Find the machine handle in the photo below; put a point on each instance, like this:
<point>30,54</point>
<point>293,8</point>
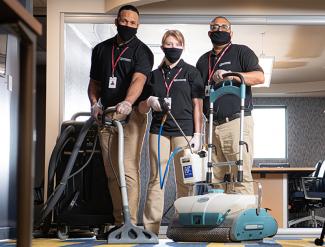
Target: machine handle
<point>80,114</point>
<point>209,177</point>
<point>107,121</point>
<point>259,198</point>
<point>109,109</point>
<point>242,80</point>
<point>164,105</point>
<point>240,176</point>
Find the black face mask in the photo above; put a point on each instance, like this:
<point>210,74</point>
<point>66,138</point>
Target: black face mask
<point>126,33</point>
<point>172,54</point>
<point>220,37</point>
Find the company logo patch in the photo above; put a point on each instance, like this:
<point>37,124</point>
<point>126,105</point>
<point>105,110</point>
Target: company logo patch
<point>125,59</point>
<point>225,63</point>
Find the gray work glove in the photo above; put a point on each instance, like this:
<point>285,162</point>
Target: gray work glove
<point>124,107</point>
<point>218,75</point>
<point>153,102</point>
<point>196,142</point>
<point>96,110</point>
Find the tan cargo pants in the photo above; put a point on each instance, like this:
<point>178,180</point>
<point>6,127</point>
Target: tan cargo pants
<point>154,205</point>
<point>226,138</point>
<point>134,132</point>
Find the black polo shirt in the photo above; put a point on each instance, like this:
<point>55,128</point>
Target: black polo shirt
<point>238,58</point>
<point>187,85</point>
<point>136,57</point>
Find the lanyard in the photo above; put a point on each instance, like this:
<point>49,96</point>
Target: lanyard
<point>172,81</point>
<point>211,71</point>
<point>114,63</point>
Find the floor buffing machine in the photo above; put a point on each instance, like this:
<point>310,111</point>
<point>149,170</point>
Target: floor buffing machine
<point>217,216</point>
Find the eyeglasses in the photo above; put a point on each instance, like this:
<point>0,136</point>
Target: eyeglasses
<point>217,27</point>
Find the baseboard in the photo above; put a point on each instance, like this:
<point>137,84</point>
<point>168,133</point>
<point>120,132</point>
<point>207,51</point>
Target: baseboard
<point>299,232</point>
<point>8,233</point>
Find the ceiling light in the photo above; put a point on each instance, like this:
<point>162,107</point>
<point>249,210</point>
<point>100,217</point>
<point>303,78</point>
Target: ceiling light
<point>266,62</point>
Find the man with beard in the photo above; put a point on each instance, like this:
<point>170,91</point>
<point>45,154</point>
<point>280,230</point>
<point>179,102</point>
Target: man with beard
<point>119,69</point>
<point>227,57</point>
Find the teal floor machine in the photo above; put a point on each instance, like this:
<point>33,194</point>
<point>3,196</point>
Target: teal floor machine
<point>216,216</point>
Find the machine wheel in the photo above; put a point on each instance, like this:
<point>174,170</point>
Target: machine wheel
<point>101,233</point>
<point>95,230</point>
<point>319,242</point>
<point>63,232</point>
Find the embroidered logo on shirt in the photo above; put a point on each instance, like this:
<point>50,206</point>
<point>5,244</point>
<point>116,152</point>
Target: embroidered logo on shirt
<point>125,59</point>
<point>184,79</point>
<point>225,63</point>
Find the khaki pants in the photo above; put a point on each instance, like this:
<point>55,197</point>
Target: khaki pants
<point>226,138</point>
<point>154,205</point>
<point>134,132</point>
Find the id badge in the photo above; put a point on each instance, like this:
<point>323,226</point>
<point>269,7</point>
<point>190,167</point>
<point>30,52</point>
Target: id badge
<point>168,101</point>
<point>207,90</point>
<point>112,82</point>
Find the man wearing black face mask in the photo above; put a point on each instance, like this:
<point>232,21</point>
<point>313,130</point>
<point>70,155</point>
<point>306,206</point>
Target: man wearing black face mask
<point>119,69</point>
<point>227,57</point>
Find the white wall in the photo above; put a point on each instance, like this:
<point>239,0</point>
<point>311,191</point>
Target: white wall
<point>55,11</point>
<point>55,8</point>
<point>236,7</point>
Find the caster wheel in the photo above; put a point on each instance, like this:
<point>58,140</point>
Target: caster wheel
<point>319,242</point>
<point>95,231</point>
<point>63,232</point>
<point>102,233</point>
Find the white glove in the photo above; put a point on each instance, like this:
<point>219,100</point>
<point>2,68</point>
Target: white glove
<point>218,75</point>
<point>153,102</point>
<point>124,107</point>
<point>196,142</point>
<point>96,110</point>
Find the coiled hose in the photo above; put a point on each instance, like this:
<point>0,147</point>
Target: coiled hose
<point>53,199</point>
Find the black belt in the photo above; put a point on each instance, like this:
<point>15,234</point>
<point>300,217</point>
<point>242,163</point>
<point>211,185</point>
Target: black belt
<point>230,118</point>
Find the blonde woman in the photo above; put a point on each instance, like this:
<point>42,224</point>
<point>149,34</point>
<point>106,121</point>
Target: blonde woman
<point>181,84</point>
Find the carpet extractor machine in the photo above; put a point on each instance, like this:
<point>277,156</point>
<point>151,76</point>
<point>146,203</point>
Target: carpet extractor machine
<point>69,206</point>
<point>216,216</point>
<point>76,182</point>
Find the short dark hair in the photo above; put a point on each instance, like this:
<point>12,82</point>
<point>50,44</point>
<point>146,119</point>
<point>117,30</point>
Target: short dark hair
<point>128,7</point>
<point>221,17</point>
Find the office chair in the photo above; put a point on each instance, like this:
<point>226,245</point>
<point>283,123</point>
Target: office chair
<point>308,195</point>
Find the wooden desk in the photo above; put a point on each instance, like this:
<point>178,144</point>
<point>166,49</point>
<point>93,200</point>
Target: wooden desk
<point>274,183</point>
<point>283,169</point>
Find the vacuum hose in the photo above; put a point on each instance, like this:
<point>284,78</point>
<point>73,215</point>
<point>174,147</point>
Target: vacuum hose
<point>171,157</point>
<point>64,137</point>
<point>53,199</point>
<point>165,108</point>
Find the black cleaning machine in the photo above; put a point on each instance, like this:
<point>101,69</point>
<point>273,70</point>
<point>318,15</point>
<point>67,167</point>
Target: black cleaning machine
<point>78,197</point>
